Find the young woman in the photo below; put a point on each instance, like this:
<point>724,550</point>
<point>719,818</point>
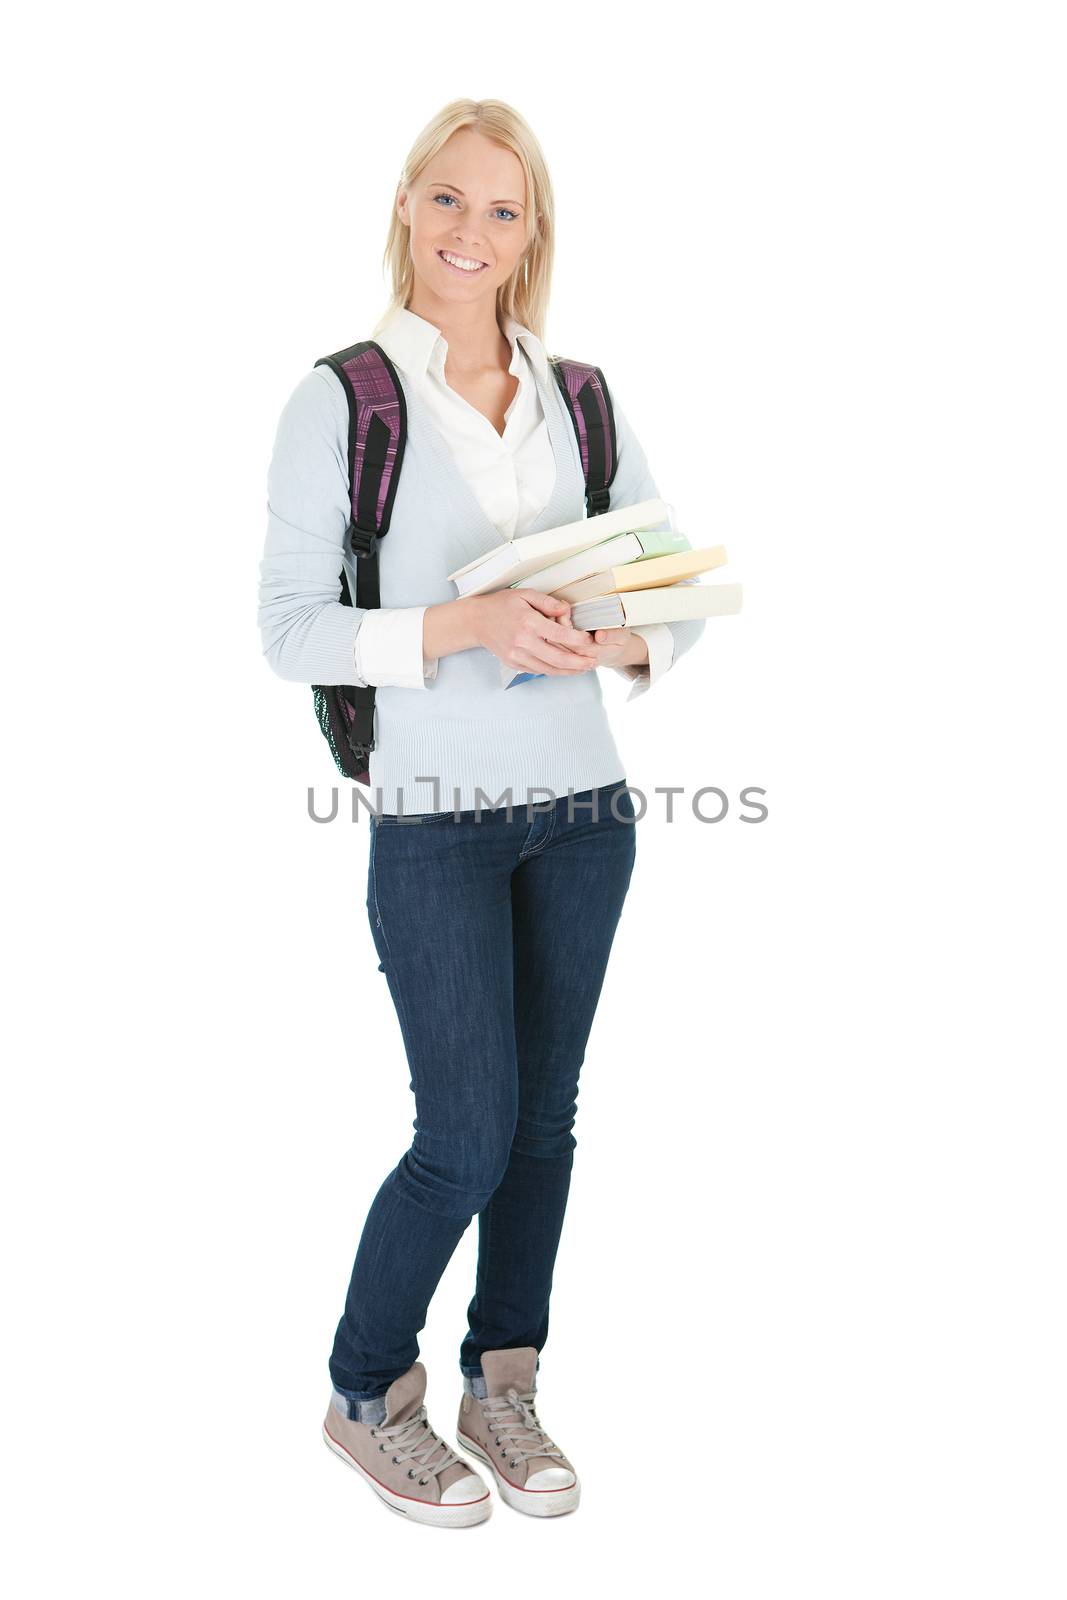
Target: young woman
<point>493,930</point>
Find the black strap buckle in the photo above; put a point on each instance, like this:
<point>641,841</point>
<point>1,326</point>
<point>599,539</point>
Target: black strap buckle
<point>359,720</point>
<point>365,541</point>
<point>597,500</point>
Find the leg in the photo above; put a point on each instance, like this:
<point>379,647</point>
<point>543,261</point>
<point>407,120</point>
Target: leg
<point>440,911</point>
<point>567,898</point>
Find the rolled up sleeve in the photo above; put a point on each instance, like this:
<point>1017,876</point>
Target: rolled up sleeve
<point>388,649</point>
<point>660,641</point>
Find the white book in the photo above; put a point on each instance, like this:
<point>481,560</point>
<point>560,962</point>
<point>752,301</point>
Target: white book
<point>673,603</point>
<point>518,558</point>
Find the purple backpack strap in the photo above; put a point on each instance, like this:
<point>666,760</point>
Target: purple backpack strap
<point>586,392</point>
<point>377,430</point>
<point>377,434</point>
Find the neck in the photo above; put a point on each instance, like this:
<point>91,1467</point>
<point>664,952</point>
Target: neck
<point>475,340</point>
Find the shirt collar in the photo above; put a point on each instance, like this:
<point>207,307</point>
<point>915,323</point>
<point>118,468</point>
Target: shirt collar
<point>417,346</point>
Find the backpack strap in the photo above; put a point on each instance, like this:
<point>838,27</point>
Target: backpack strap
<point>585,390</point>
<point>377,435</point>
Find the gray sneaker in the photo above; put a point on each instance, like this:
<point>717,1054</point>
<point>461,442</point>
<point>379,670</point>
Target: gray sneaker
<point>503,1430</point>
<point>406,1464</point>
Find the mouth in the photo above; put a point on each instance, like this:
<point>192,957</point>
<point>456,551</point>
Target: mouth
<point>468,269</point>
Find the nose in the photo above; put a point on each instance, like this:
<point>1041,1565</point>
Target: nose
<point>472,240</point>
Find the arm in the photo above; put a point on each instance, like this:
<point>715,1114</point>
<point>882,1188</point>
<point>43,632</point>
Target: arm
<point>307,635</point>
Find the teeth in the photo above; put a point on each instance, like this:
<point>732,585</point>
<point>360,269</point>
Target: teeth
<point>462,261</point>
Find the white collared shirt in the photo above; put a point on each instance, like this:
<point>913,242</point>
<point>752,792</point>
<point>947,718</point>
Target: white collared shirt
<point>511,474</point>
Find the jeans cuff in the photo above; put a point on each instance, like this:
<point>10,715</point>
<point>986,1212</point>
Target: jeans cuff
<point>351,1406</point>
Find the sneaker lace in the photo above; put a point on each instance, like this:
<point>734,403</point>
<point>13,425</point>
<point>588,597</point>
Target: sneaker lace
<point>515,1418</point>
<point>415,1440</point>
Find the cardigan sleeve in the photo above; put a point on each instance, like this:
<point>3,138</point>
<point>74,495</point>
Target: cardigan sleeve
<point>307,635</point>
<point>633,482</point>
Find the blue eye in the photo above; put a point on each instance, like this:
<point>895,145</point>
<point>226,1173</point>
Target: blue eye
<point>512,215</point>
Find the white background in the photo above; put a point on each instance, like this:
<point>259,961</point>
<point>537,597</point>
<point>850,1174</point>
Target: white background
<point>808,1320</point>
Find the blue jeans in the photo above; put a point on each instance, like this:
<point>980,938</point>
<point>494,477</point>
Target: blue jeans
<point>494,937</point>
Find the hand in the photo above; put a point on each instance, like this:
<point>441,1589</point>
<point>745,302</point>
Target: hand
<point>532,632</point>
<point>619,647</point>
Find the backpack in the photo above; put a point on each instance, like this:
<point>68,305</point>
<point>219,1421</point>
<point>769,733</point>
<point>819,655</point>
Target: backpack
<point>377,435</point>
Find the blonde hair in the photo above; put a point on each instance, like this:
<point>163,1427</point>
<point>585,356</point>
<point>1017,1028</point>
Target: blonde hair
<point>525,294</point>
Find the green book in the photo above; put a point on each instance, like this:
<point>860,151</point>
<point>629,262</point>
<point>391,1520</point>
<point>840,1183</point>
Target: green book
<point>638,545</point>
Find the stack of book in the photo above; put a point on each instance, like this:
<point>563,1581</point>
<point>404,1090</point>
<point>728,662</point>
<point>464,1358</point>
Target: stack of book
<point>616,571</point>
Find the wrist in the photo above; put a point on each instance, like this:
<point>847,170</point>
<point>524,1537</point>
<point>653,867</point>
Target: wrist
<point>637,654</point>
<point>450,626</point>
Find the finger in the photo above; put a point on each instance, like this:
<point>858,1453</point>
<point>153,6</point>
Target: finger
<point>547,604</point>
<point>570,637</point>
<point>561,659</point>
<point>526,661</point>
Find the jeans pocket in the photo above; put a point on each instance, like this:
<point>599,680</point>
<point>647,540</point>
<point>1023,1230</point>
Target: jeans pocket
<point>616,803</point>
<point>373,912</point>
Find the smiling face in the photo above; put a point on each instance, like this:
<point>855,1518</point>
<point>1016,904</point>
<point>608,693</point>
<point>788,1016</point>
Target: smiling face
<point>469,203</point>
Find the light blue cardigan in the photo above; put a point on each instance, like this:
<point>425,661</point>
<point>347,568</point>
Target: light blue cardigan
<point>480,741</point>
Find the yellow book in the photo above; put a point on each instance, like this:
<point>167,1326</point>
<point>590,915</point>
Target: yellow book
<point>651,573</point>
